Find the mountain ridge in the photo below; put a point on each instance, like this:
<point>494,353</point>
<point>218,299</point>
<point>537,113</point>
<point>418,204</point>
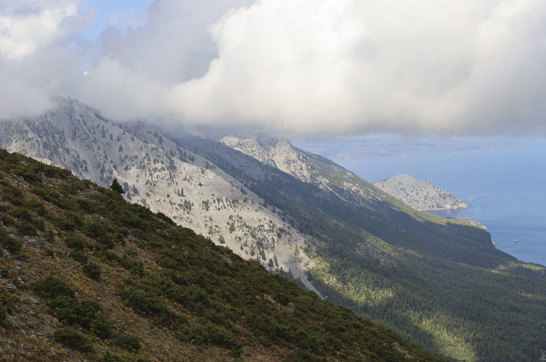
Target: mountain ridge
<point>164,176</point>
<point>86,275</point>
<point>438,282</point>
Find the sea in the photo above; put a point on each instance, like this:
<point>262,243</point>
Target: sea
<point>503,182</point>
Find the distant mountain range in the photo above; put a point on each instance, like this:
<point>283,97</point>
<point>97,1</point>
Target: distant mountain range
<point>438,282</point>
<point>420,195</point>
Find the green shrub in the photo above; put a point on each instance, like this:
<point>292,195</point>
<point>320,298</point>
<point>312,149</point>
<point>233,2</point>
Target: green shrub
<point>95,228</point>
<point>142,300</point>
<point>101,327</point>
<point>5,303</point>
<point>29,175</point>
<point>73,338</point>
<point>79,255</point>
<point>22,213</point>
<point>72,311</point>
<point>99,231</point>
<point>12,194</point>
<point>106,240</point>
<point>3,312</point>
<point>208,333</point>
<point>36,205</point>
<point>39,223</point>
<point>87,205</point>
<point>52,287</point>
<point>77,242</point>
<point>109,256</point>
<point>116,187</point>
<point>127,342</point>
<point>92,270</point>
<point>65,224</point>
<point>26,228</point>
<point>135,266</point>
<point>67,308</point>
<point>165,218</point>
<point>76,219</point>
<point>9,243</point>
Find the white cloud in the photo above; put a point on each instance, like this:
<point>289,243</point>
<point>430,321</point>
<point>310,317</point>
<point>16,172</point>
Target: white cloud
<point>137,68</point>
<point>23,32</point>
<point>344,66</point>
<point>306,67</point>
<point>35,63</point>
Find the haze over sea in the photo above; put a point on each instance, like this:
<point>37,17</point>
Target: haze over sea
<point>503,182</point>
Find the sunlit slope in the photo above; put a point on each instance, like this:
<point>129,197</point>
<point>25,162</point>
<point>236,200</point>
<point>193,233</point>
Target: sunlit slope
<point>439,282</point>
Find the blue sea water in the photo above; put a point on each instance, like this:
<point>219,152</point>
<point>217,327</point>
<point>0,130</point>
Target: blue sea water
<point>504,183</point>
<point>505,191</point>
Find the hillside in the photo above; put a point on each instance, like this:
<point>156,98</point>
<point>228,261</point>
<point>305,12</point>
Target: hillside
<point>87,275</point>
<point>419,195</point>
<point>439,283</point>
<point>163,176</point>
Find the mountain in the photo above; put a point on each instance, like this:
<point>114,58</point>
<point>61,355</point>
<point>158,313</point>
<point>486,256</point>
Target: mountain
<point>164,176</point>
<point>420,195</point>
<point>306,167</point>
<point>438,282</point>
<point>87,276</point>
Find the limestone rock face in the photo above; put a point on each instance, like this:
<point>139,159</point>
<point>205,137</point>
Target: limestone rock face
<point>276,152</point>
<point>307,167</point>
<point>420,195</point>
<point>163,175</point>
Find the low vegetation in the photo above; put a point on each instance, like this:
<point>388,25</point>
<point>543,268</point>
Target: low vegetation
<point>106,280</point>
<point>438,282</point>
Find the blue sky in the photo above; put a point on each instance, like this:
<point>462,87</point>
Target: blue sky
<point>106,9</point>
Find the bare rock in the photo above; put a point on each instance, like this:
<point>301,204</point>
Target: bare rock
<point>419,195</point>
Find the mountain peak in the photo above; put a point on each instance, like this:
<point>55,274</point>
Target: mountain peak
<point>274,151</point>
<point>262,141</point>
<point>418,194</point>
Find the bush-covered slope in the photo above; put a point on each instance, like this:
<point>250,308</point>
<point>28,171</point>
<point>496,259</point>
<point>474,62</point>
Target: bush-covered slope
<point>438,282</point>
<point>86,275</point>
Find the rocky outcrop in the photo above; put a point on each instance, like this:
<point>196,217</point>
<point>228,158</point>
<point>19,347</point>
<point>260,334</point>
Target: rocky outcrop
<point>420,195</point>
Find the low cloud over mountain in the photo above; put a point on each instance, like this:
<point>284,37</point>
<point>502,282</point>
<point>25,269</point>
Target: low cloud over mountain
<point>302,67</point>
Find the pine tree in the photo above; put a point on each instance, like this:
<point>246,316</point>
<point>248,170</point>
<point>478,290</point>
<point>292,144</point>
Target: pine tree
<point>116,187</point>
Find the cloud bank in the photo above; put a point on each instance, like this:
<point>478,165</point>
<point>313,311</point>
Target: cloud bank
<point>304,67</point>
<point>34,60</point>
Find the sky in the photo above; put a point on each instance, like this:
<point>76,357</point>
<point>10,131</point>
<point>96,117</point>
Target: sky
<point>115,13</point>
<point>307,68</point>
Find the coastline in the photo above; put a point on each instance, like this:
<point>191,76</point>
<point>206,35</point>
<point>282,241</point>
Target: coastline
<point>523,250</point>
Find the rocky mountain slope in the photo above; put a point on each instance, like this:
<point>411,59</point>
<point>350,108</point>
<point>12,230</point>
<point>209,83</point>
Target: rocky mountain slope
<point>420,195</point>
<point>87,276</point>
<point>164,176</point>
<point>406,246</point>
<point>306,167</point>
<point>438,282</point>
